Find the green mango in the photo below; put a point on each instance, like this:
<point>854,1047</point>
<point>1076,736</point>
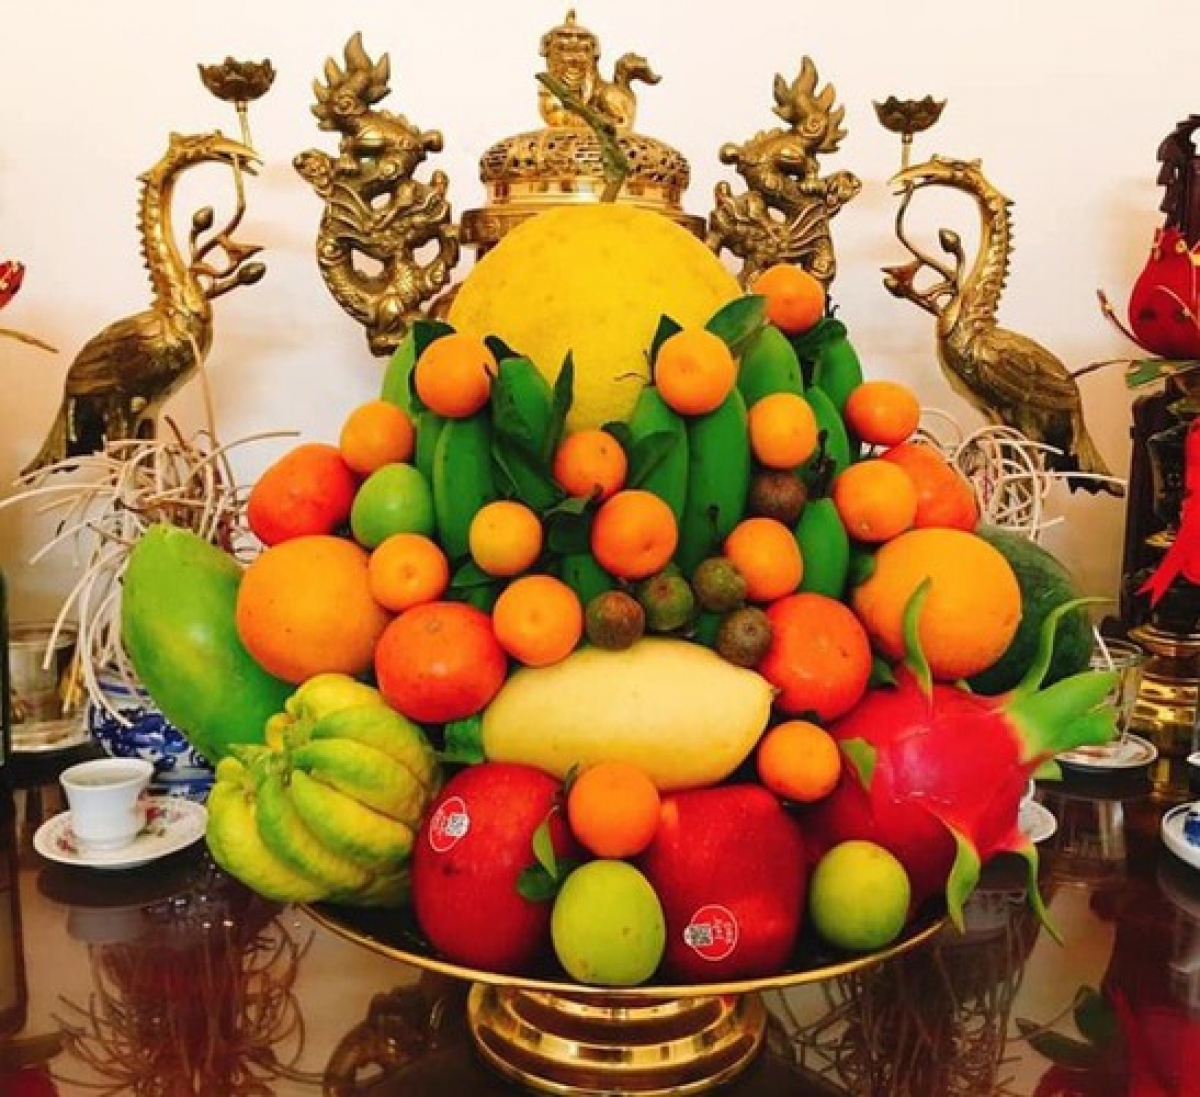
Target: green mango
<point>177,626</point>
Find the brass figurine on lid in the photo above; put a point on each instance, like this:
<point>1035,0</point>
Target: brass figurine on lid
<point>564,161</point>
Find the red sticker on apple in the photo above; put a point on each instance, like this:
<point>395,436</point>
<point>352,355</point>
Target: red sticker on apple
<point>449,824</point>
<point>712,934</point>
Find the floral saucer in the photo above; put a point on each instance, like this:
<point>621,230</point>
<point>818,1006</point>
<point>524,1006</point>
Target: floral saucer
<point>1129,752</point>
<point>1174,836</point>
<point>172,823</point>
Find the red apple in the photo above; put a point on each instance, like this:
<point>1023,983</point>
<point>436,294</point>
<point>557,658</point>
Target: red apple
<point>473,844</point>
<point>729,869</point>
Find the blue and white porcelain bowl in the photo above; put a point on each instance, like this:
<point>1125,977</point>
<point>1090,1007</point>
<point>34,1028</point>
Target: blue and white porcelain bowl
<point>142,731</point>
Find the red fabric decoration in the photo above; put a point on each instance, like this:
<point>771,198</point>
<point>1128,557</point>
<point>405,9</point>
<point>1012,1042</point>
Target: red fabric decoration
<point>1183,557</point>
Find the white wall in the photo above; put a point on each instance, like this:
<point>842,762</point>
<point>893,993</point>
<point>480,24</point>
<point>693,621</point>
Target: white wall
<point>1064,102</point>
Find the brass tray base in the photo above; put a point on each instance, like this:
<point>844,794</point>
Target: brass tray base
<point>550,1035</point>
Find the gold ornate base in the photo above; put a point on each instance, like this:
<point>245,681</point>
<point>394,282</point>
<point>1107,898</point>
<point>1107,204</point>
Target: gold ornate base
<point>1170,691</point>
<point>613,1045</point>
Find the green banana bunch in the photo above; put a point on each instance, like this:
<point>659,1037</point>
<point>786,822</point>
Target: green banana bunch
<point>429,427</point>
<point>583,574</point>
<point>769,364</point>
<point>463,479</point>
<point>837,370</point>
<point>330,812</point>
<point>835,452</point>
<point>396,377</point>
<point>522,407</point>
<point>719,466</point>
<point>824,548</point>
<point>658,450</point>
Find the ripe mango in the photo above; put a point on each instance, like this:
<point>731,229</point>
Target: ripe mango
<point>688,717</point>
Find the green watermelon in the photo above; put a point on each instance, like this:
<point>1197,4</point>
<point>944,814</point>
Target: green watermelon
<point>1045,584</point>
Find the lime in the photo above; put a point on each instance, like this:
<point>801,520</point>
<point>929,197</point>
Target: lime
<point>858,896</point>
<point>393,499</point>
<point>607,925</point>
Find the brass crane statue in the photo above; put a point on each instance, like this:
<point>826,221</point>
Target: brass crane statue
<point>1006,376</point>
<point>121,377</point>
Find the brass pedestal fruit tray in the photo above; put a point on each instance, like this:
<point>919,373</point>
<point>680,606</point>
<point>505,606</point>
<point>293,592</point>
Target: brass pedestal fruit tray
<point>551,1035</point>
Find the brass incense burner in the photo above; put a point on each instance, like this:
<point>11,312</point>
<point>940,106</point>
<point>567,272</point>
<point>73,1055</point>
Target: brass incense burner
<point>387,243</point>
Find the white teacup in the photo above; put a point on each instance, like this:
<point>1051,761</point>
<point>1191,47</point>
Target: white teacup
<point>105,797</point>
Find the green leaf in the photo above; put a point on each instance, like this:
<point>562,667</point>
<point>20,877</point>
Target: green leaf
<point>568,529</point>
<point>648,452</point>
<point>463,741</point>
<point>737,321</point>
<point>543,847</point>
<point>1096,1019</point>
<point>1064,1051</point>
<point>499,348</point>
<point>536,885</point>
<point>470,574</point>
<point>564,391</point>
<point>882,673</point>
<point>666,328</point>
<point>426,331</point>
<point>808,345</point>
<point>621,432</point>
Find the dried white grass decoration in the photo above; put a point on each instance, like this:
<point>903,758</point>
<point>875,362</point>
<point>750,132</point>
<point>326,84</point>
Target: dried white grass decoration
<point>109,500</point>
<point>1007,469</point>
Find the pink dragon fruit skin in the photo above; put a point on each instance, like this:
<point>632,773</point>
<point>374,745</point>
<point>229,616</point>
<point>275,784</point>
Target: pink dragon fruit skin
<point>936,773</point>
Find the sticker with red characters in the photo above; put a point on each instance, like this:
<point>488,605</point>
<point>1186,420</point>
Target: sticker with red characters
<point>449,824</point>
<point>712,933</point>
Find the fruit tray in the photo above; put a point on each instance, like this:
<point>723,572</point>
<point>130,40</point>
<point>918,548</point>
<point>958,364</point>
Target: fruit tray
<point>394,934</point>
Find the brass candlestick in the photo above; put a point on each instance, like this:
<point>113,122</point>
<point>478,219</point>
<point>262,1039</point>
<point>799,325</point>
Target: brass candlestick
<point>908,117</point>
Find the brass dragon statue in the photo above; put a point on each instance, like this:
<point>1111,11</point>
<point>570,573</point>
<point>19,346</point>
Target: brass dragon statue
<point>121,377</point>
<point>1006,376</point>
<point>377,217</point>
<point>784,215</point>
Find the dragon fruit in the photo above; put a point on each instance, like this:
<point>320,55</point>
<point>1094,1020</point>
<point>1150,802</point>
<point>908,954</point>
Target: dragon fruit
<point>936,773</point>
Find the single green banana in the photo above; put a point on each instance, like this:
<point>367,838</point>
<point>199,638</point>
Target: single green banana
<point>429,430</point>
<point>718,480</point>
<point>285,834</point>
<point>835,451</point>
<point>660,466</point>
<point>837,370</point>
<point>348,826</point>
<point>463,480</point>
<point>382,727</point>
<point>522,407</point>
<point>396,377</point>
<point>235,844</point>
<point>365,773</point>
<point>824,548</point>
<point>584,575</point>
<point>769,365</point>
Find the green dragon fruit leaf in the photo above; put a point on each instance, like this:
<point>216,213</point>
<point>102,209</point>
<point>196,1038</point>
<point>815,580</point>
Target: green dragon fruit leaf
<point>914,657</point>
<point>862,756</point>
<point>1028,852</point>
<point>963,877</point>
<point>1036,672</point>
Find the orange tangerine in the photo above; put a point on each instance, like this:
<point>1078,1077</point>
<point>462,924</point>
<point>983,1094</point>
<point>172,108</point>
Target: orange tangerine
<point>882,413</point>
<point>694,371</point>
<point>634,534</point>
<point>799,760</point>
<point>375,434</point>
<point>876,500</point>
<point>407,569</point>
<point>767,556</point>
<point>783,430</point>
<point>538,620</point>
<point>613,809</point>
<point>590,463</point>
<point>795,298</point>
<point>505,537</point>
<point>453,376</point>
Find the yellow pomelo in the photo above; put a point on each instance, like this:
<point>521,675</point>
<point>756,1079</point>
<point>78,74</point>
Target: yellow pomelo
<point>593,280</point>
